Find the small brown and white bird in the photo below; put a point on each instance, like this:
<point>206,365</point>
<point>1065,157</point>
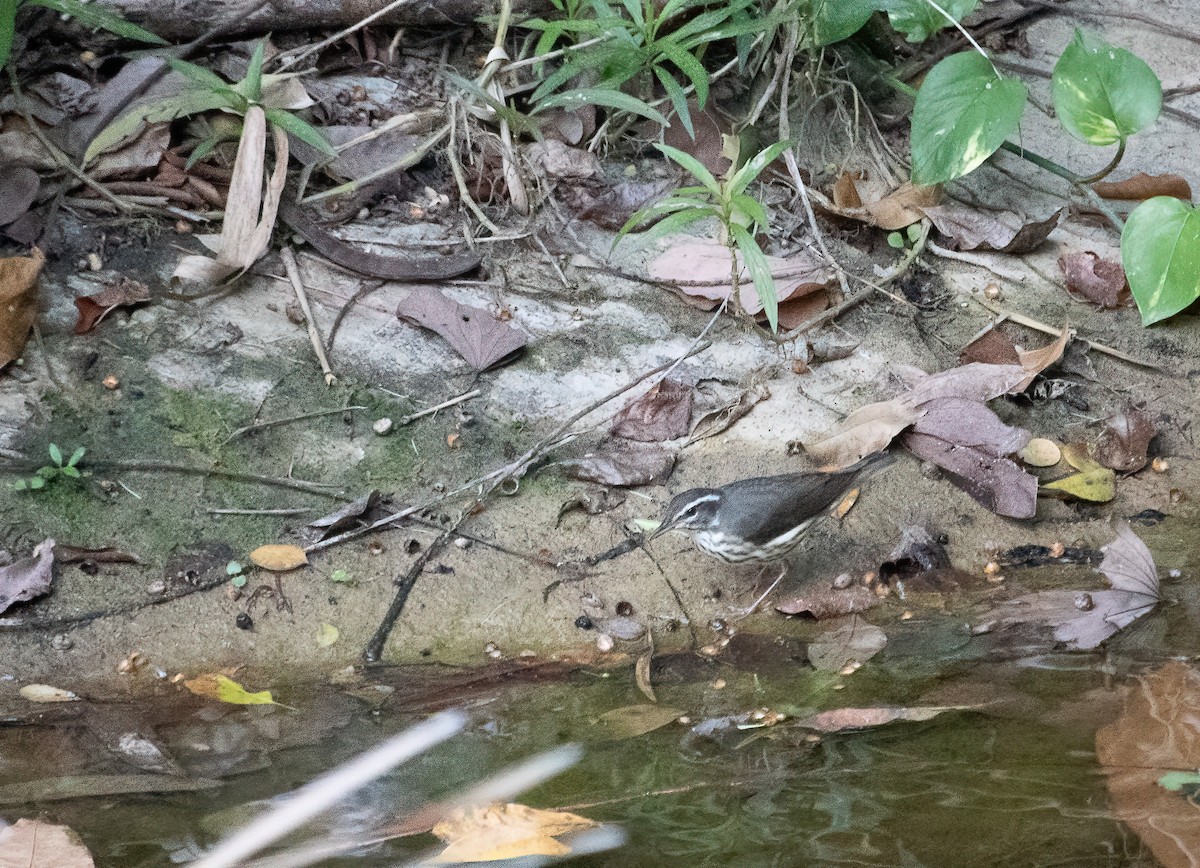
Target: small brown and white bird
<point>760,519</point>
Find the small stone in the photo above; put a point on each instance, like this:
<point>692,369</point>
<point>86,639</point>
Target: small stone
<point>1160,465</point>
<point>110,382</point>
<point>906,615</point>
<point>982,628</point>
<point>243,621</point>
<point>383,426</point>
<point>624,609</point>
<point>62,642</point>
<point>992,292</point>
<point>717,624</point>
<point>850,668</point>
<point>132,663</point>
<point>363,213</point>
<point>94,262</point>
<point>157,588</point>
<point>583,622</point>
<point>1174,574</point>
<point>462,542</point>
<point>843,581</point>
<point>376,547</point>
<point>1057,550</point>
<point>717,684</point>
<point>991,568</point>
<point>1084,602</point>
<point>711,650</point>
<point>604,642</point>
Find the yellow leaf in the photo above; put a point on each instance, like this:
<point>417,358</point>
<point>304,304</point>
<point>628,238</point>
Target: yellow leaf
<point>279,558</point>
<point>506,832</point>
<point>1080,458</point>
<point>226,690</point>
<point>327,635</point>
<point>1093,482</point>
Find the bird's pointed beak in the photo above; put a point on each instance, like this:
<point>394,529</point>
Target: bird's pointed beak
<point>660,530</point>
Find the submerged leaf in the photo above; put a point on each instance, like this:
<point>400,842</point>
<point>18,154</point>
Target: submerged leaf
<point>225,689</point>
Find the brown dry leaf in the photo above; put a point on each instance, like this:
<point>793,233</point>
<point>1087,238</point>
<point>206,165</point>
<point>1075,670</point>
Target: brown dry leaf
<point>721,419</point>
<point>279,558</point>
<point>1142,186</point>
<point>865,431</point>
<point>506,832</point>
<point>19,187</point>
<point>976,381</point>
<point>993,347</point>
<point>968,228</point>
<point>641,675</point>
<point>354,514</point>
<point>29,577</point>
<point>1036,361</point>
<point>1157,732</point>
<point>709,144</point>
<point>250,215</point>
<point>624,463</point>
<point>996,483</point>
<point>845,190</point>
<point>841,719</point>
<point>829,602</point>
<point>106,555</point>
<point>853,641</point>
<point>633,720</point>
<point>1100,281</point>
<point>967,423</point>
<point>868,199</point>
<point>1123,442</point>
<point>704,265</point>
<point>36,844</point>
<point>611,207</point>
<point>663,413</point>
<point>18,302</point>
<point>481,339</point>
<point>93,308</point>
<point>846,503</point>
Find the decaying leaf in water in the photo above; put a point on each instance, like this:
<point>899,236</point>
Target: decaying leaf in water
<point>18,301</point>
<point>47,693</point>
<point>506,831</point>
<point>634,720</point>
<point>225,689</point>
<point>37,844</point>
<point>93,308</point>
<point>663,413</point>
<point>1040,452</point>
<point>1100,281</point>
<point>971,228</point>
<point>279,558</point>
<point>641,675</point>
<point>1093,482</point>
<point>481,339</point>
<point>841,719</point>
<point>852,641</point>
<point>1141,186</point>
<point>28,577</point>
<point>1084,619</point>
<point>1156,733</point>
<point>1123,442</point>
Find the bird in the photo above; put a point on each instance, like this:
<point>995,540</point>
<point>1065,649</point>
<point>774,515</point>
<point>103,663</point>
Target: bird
<point>759,519</point>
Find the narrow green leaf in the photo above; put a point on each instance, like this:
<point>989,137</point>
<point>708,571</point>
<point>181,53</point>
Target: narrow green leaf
<point>605,97</point>
<point>692,69</point>
<point>253,79</point>
<point>197,74</point>
<point>677,221</point>
<point>76,456</point>
<point>56,454</point>
<point>752,209</point>
<point>754,166</point>
<point>8,28</point>
<point>91,15</point>
<point>704,22</point>
<point>919,20</point>
<point>964,111</point>
<point>1160,249</point>
<point>68,470</point>
<point>634,8</point>
<point>302,130</point>
<point>694,166</point>
<point>187,102</point>
<point>202,150</point>
<point>678,99</point>
<point>760,273</point>
<point>1102,93</point>
<point>674,220</point>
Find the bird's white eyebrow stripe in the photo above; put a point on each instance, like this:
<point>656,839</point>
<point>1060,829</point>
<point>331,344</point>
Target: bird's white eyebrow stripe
<point>699,500</point>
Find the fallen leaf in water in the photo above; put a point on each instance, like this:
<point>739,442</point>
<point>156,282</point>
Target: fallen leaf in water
<point>225,689</point>
<point>997,483</point>
<point>1128,564</point>
<point>1142,186</point>
<point>829,602</point>
<point>481,339</point>
<point>1098,280</point>
<point>1157,733</point>
<point>968,228</point>
<point>1093,482</point>
<point>37,844</point>
<point>279,558</point>
<point>634,720</point>
<point>28,577</point>
<point>94,308</point>
<point>624,463</point>
<point>663,413</point>
<point>509,831</point>
<point>641,675</point>
<point>88,786</point>
<point>47,693</point>
<point>1123,442</point>
<point>18,301</point>
<point>841,719</point>
<point>853,641</point>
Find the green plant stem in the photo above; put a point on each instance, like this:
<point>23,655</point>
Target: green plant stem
<point>1107,170</point>
<point>1081,184</point>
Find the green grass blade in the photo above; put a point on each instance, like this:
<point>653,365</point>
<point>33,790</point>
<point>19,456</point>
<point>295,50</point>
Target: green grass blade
<point>694,166</point>
<point>760,273</point>
<point>91,15</point>
<point>302,130</point>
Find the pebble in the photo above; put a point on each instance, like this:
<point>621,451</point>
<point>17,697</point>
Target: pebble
<point>62,642</point>
<point>383,426</point>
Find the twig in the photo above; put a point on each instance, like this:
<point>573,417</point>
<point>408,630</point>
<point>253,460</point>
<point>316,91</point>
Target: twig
<point>412,417</point>
<point>258,426</point>
<point>410,159</point>
<point>977,260</point>
<point>320,488</point>
<point>300,510</point>
<point>293,271</point>
<point>342,34</point>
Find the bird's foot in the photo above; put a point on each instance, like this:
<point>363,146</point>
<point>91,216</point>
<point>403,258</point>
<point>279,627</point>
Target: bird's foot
<point>742,613</point>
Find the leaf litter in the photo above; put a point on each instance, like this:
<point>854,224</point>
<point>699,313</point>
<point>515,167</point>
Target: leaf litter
<point>29,577</point>
<point>481,339</point>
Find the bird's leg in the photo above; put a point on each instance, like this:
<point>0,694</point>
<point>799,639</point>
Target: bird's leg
<point>754,607</point>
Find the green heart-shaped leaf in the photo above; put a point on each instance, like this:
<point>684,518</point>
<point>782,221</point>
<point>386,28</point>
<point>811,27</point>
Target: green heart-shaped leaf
<point>1102,93</point>
<point>1160,249</point>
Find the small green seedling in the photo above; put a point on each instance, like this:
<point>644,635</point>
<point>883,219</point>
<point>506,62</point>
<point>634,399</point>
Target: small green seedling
<point>49,472</point>
<point>897,240</point>
<point>236,577</point>
<point>341,577</point>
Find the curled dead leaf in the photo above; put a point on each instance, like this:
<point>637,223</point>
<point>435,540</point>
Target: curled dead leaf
<point>1100,281</point>
<point>1142,186</point>
<point>279,558</point>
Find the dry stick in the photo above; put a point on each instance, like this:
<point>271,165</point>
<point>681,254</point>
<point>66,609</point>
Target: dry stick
<point>978,261</point>
<point>293,272</point>
<point>299,510</point>
<point>513,467</point>
<point>258,426</point>
<point>412,417</point>
<point>320,488</point>
<point>342,34</point>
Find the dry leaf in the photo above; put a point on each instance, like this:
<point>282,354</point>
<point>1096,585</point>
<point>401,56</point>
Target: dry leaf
<point>852,641</point>
<point>481,339</point>
<point>613,206</point>
<point>93,308</point>
<point>37,844</point>
<point>968,228</point>
<point>352,515</point>
<point>327,635</point>
<point>829,602</point>
<point>966,423</point>
<point>845,191</point>
<point>869,200</point>
<point>18,302</point>
<point>1094,482</point>
<point>28,577</point>
<point>1142,186</point>
<point>47,693</point>
<point>841,719</point>
<point>846,503</point>
<point>624,463</point>
<point>663,413</point>
<point>1036,361</point>
<point>975,381</point>
<point>506,832</point>
<point>993,347</point>
<point>19,187</point>
<point>1098,280</point>
<point>641,675</point>
<point>867,430</point>
<point>998,484</point>
<point>279,558</point>
<point>721,419</point>
<point>709,143</point>
<point>225,689</point>
<point>1122,444</point>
